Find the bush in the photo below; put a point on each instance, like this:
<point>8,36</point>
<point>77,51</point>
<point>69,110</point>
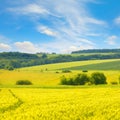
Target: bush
<point>84,71</point>
<point>56,72</point>
<point>114,82</point>
<point>66,71</point>
<point>98,78</point>
<point>23,82</point>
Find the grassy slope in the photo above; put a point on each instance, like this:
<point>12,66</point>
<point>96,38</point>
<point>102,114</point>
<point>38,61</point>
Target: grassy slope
<point>114,65</point>
<point>39,76</point>
<point>57,66</point>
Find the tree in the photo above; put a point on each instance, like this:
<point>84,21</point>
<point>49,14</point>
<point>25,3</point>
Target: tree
<point>81,79</point>
<point>70,81</point>
<point>44,55</point>
<point>98,78</point>
<point>9,67</point>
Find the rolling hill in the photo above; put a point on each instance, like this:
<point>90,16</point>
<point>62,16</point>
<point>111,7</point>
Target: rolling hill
<point>50,74</point>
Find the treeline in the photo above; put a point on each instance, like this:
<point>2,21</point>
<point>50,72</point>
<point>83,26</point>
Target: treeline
<point>11,60</point>
<point>97,51</point>
<point>17,55</point>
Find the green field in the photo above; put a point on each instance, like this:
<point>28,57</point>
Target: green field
<point>114,65</point>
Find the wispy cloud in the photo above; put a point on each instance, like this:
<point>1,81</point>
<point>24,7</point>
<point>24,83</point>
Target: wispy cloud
<point>69,23</point>
<point>28,9</point>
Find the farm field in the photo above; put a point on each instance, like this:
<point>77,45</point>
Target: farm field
<point>114,65</point>
<point>47,100</point>
<point>60,104</point>
<point>49,75</point>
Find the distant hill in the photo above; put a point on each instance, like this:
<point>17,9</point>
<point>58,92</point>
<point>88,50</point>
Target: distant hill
<point>97,51</point>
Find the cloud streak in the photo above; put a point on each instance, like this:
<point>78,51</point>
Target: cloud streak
<point>29,9</point>
<point>68,22</point>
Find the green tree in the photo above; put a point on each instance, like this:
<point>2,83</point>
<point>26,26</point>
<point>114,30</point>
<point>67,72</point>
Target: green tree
<point>98,78</point>
<point>81,79</point>
<point>9,67</point>
<point>44,55</point>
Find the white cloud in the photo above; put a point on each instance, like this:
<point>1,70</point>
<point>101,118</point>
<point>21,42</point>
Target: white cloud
<point>29,9</point>
<point>117,21</point>
<point>46,30</point>
<point>4,47</point>
<point>27,47</point>
<point>111,40</point>
<point>76,48</point>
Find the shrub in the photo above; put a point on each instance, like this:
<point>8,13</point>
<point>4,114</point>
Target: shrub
<point>66,71</point>
<point>56,72</point>
<point>84,71</point>
<point>23,82</point>
<point>114,82</point>
<point>98,78</point>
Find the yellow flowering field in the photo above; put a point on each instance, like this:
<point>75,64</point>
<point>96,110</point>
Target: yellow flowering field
<point>60,104</point>
<point>49,78</point>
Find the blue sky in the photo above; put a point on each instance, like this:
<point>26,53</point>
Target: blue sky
<point>59,26</point>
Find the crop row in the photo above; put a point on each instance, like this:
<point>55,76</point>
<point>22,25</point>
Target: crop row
<point>8,101</point>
